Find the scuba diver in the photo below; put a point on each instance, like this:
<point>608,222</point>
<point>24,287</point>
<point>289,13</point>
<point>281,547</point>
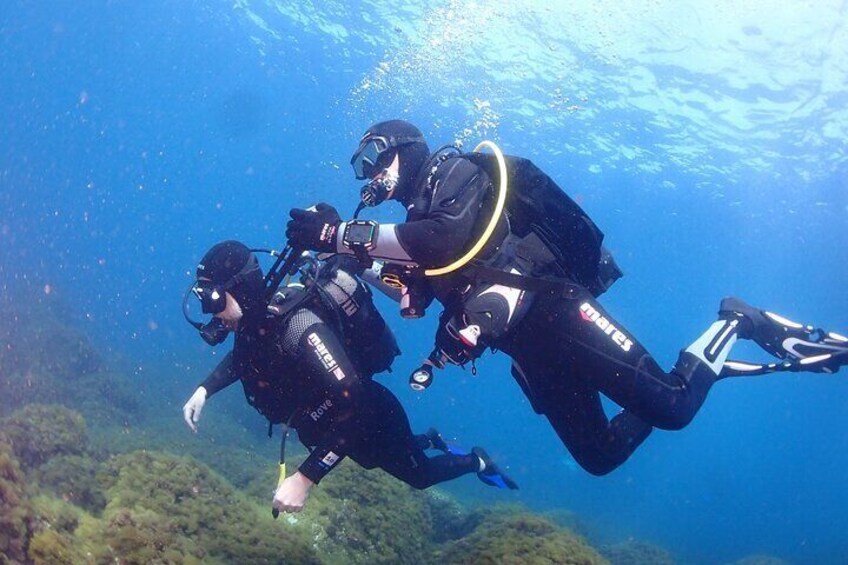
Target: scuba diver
<point>305,355</point>
<point>518,267</point>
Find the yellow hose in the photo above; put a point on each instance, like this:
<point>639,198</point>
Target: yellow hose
<point>499,206</point>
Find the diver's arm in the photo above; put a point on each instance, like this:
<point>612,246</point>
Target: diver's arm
<point>324,366</point>
<point>221,376</point>
<point>445,230</point>
<point>386,245</point>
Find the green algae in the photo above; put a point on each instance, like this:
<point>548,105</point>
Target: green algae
<point>75,479</point>
<point>38,432</point>
<point>636,552</point>
<point>180,505</point>
<point>16,514</point>
<point>519,538</point>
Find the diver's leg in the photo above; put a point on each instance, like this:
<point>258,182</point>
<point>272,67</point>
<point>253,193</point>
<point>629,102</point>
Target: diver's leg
<point>598,444</point>
<point>422,441</point>
<point>399,451</point>
<point>577,331</point>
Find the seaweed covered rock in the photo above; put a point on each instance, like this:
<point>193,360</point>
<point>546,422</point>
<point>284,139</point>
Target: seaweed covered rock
<point>75,479</point>
<point>360,516</point>
<point>40,350</point>
<point>45,359</point>
<point>635,552</point>
<point>16,515</point>
<point>232,454</point>
<point>162,506</point>
<point>520,539</point>
<point>139,537</point>
<point>38,432</point>
<point>450,519</point>
<point>49,547</point>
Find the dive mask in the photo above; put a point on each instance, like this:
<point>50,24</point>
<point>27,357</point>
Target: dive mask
<point>373,152</point>
<point>214,331</point>
<point>364,160</point>
<point>213,296</point>
<point>213,300</point>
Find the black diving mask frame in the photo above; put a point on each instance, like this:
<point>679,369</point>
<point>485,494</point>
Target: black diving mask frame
<point>213,297</point>
<point>369,158</point>
<point>214,331</point>
<point>213,300</point>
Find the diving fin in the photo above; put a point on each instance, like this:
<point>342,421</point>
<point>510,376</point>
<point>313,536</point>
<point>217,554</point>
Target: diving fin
<point>491,474</point>
<point>780,336</point>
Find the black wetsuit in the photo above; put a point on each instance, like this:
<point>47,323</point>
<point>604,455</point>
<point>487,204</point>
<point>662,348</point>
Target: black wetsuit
<point>295,369</point>
<point>567,349</point>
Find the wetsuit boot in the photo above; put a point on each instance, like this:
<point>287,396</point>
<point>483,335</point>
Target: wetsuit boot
<point>435,440</point>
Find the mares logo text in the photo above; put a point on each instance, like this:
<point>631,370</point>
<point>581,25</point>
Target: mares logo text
<point>325,356</point>
<point>588,313</point>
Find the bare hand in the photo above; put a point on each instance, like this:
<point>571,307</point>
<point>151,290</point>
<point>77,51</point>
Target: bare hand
<point>292,494</point>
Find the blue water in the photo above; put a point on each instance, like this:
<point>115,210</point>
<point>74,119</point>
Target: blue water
<point>709,142</point>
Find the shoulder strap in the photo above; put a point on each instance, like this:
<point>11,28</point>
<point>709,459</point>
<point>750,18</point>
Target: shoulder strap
<point>536,284</point>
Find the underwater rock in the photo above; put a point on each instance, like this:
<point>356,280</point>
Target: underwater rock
<point>52,513</point>
<point>139,537</point>
<point>49,547</point>
<point>44,359</point>
<point>167,508</point>
<point>451,520</point>
<point>16,515</point>
<point>39,432</point>
<point>74,478</point>
<point>360,516</point>
<point>635,552</point>
<point>519,538</point>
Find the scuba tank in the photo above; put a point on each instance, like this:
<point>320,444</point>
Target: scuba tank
<point>536,204</point>
<point>367,338</point>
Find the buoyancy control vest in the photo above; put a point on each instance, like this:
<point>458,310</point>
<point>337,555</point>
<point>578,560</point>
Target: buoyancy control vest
<point>342,297</point>
<point>343,302</point>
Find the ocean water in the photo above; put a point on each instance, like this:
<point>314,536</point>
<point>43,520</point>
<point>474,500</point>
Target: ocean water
<point>708,141</point>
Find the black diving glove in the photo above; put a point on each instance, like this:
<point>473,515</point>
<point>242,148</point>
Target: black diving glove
<point>315,229</point>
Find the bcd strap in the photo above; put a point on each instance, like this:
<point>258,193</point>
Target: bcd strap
<point>534,284</point>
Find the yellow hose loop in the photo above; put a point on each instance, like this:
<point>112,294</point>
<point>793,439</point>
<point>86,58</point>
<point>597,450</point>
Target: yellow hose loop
<point>499,206</point>
<point>282,476</point>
